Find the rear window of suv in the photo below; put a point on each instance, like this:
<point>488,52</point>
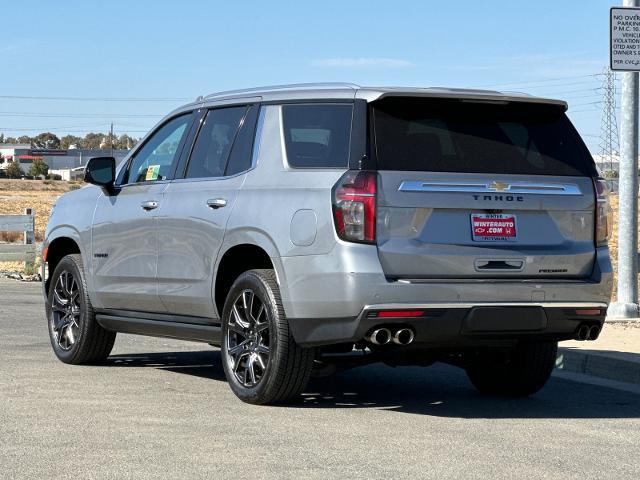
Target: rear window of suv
<point>453,135</point>
<point>317,135</point>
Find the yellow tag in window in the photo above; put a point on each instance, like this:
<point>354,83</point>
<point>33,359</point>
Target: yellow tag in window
<point>152,172</point>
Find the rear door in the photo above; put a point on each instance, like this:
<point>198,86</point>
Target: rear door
<point>477,189</point>
<point>196,208</point>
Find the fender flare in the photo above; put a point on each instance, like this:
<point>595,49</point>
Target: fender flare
<point>68,231</point>
<point>260,239</point>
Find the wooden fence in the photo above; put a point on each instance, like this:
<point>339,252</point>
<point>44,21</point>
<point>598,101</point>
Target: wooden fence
<point>19,252</point>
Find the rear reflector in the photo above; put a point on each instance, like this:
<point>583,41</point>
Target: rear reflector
<point>400,313</point>
<point>588,311</point>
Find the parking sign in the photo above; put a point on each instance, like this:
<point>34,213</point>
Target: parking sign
<point>624,34</point>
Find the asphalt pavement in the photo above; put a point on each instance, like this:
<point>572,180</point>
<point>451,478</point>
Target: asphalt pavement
<point>161,409</point>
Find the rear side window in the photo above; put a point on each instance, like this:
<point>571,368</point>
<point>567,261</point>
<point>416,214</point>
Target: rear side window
<point>214,142</point>
<point>317,136</point>
<point>443,135</point>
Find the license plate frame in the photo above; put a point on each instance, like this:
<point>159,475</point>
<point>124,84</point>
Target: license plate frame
<point>494,227</point>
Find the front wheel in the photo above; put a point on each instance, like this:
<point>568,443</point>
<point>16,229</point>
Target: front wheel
<point>261,360</point>
<point>76,336</point>
<point>522,372</point>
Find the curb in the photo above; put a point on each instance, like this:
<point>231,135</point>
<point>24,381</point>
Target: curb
<point>599,365</point>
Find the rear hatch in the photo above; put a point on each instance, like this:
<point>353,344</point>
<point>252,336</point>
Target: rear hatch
<point>481,189</point>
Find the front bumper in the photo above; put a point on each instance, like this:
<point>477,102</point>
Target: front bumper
<point>458,324</point>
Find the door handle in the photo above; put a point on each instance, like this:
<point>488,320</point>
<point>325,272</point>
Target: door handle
<point>216,203</point>
<point>149,204</point>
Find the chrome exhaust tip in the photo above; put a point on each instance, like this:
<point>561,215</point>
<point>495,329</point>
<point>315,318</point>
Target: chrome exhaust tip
<point>594,332</point>
<point>583,332</point>
<point>403,336</point>
<point>380,336</point>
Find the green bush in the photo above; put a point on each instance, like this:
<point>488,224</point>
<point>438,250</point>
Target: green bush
<point>54,176</point>
<point>14,170</point>
<point>38,167</point>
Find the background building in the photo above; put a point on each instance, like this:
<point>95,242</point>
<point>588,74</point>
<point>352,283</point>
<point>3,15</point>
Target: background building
<point>57,160</point>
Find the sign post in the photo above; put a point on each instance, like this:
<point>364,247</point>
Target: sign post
<point>625,57</point>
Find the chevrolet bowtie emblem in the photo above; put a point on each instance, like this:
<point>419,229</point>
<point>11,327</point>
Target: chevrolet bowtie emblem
<point>499,186</point>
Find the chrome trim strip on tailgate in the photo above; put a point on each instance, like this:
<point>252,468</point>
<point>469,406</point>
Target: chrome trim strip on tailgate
<point>532,188</point>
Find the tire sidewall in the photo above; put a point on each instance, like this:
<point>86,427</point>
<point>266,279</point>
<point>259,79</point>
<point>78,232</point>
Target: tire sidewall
<point>251,281</point>
<point>68,264</point>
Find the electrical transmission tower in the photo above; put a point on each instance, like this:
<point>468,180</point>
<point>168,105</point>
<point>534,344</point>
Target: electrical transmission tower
<point>609,143</point>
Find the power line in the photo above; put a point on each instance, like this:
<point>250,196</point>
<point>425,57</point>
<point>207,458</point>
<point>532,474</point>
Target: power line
<point>69,128</point>
<point>588,110</point>
<point>528,82</point>
<point>99,99</point>
<point>598,102</point>
<point>76,115</point>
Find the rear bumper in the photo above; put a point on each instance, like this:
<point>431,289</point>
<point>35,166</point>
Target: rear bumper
<point>458,324</point>
<point>326,297</point>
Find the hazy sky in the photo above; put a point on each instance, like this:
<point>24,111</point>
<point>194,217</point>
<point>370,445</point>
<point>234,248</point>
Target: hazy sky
<point>175,51</point>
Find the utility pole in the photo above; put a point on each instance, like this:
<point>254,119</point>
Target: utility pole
<point>626,307</point>
<point>111,138</point>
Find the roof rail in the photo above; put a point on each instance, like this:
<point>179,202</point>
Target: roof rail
<point>515,92</point>
<point>293,86</point>
<point>469,90</point>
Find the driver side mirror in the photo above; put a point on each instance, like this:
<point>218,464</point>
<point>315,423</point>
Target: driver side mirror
<point>101,171</point>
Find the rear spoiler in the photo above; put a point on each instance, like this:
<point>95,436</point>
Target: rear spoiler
<point>461,94</point>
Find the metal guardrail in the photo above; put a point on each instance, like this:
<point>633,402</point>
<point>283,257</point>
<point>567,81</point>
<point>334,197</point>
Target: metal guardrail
<point>613,184</point>
<point>19,252</point>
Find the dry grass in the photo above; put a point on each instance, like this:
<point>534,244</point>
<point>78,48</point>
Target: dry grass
<point>613,244</point>
<point>16,195</point>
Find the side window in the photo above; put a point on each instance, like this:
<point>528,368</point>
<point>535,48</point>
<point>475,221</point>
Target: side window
<point>212,147</point>
<point>154,160</point>
<point>317,136</point>
<point>240,158</point>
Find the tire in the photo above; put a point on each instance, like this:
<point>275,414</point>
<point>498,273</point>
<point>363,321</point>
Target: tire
<point>522,373</point>
<point>75,335</point>
<point>261,360</point>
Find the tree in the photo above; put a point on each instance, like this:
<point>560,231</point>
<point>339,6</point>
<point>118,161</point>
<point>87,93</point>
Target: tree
<point>68,140</point>
<point>10,140</point>
<point>38,167</point>
<point>13,170</point>
<point>92,140</point>
<point>125,142</point>
<point>24,139</point>
<point>46,140</point>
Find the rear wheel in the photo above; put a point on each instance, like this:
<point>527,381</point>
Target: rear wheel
<point>75,335</point>
<point>261,360</point>
<point>522,372</point>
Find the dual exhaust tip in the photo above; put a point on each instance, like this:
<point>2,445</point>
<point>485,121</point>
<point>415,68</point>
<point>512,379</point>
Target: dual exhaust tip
<point>383,336</point>
<point>588,332</point>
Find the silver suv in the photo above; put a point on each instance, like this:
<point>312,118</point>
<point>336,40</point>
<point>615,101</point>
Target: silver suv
<point>310,228</point>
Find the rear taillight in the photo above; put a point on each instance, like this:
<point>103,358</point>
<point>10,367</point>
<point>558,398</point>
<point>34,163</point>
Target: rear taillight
<point>354,206</point>
<point>603,213</point>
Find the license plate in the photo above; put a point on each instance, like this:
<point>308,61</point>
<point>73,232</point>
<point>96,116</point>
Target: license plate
<point>493,227</point>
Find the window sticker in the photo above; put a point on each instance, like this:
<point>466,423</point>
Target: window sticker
<point>152,172</point>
